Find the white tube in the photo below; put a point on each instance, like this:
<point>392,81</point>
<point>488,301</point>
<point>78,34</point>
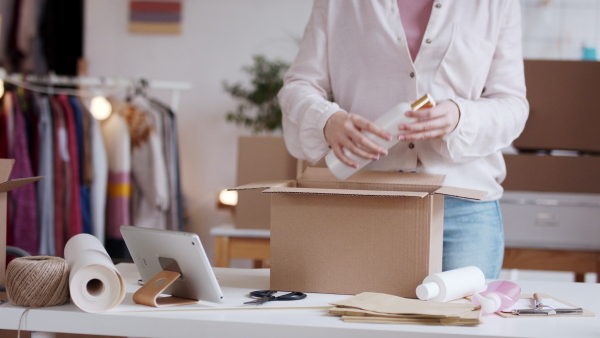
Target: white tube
<point>451,284</point>
<point>388,121</point>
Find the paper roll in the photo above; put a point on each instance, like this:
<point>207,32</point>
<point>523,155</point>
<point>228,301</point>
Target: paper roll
<point>95,284</point>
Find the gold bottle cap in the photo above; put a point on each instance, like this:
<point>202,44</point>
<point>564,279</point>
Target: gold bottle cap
<point>425,102</point>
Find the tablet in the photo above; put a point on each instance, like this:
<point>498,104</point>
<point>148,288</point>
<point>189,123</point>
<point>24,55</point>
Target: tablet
<point>155,250</point>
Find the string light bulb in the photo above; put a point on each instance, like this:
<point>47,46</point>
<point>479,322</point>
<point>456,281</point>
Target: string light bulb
<point>100,108</point>
<point>228,197</point>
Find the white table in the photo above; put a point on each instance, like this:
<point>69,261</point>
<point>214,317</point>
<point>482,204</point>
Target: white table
<point>262,322</point>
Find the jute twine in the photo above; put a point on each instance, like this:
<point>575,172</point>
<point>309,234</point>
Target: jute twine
<point>37,281</point>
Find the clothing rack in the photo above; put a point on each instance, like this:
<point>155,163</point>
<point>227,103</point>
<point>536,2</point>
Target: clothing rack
<point>26,81</point>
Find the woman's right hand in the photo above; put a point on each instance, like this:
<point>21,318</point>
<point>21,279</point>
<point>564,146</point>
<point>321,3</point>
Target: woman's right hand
<point>344,130</point>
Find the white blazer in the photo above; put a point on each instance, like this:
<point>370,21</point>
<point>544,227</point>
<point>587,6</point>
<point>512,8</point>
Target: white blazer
<point>471,53</point>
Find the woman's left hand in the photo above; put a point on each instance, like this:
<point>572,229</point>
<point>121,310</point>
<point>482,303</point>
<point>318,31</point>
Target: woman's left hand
<point>435,122</point>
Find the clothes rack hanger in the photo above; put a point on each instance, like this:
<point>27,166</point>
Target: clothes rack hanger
<point>46,83</point>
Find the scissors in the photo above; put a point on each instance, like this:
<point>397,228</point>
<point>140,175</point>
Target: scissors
<point>263,296</point>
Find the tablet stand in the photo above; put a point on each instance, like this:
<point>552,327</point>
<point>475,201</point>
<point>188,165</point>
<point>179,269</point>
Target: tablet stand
<point>149,293</point>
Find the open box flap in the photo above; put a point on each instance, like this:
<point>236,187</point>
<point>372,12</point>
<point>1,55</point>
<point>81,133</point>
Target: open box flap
<point>6,165</point>
<point>265,185</point>
<point>372,180</point>
<point>320,191</point>
<point>471,194</point>
<point>16,183</point>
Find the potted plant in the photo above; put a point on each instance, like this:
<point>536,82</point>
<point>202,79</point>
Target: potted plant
<point>258,108</point>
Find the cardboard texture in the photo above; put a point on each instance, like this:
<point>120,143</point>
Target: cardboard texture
<point>260,158</point>
<point>377,231</point>
<point>7,185</point>
<point>573,174</point>
<point>561,104</point>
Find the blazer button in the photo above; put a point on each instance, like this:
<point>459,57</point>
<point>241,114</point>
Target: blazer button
<point>428,40</point>
<point>412,74</point>
<point>411,145</point>
<point>438,5</point>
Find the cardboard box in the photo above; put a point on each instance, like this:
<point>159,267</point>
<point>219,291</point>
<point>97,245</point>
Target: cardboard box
<point>376,231</point>
<point>562,106</point>
<point>571,174</point>
<point>7,185</point>
<point>260,158</point>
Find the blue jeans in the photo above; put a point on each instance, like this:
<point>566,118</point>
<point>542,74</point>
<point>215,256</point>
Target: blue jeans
<point>473,235</point>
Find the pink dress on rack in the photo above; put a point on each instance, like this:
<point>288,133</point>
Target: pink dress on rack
<point>23,199</point>
<point>75,225</point>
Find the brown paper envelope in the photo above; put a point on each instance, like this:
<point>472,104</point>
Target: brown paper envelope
<point>389,304</point>
<point>386,320</point>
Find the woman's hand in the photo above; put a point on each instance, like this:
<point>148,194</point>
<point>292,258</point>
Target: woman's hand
<point>344,130</point>
<point>435,122</point>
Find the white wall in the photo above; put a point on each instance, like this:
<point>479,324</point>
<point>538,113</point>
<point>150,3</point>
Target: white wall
<point>558,29</point>
<point>218,38</point>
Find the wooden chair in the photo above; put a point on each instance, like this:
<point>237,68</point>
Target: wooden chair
<point>231,243</point>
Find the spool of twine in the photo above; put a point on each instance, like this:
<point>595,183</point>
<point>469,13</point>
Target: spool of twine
<point>37,281</point>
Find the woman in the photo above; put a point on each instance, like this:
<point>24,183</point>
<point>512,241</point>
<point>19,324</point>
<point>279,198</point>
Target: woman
<point>372,55</point>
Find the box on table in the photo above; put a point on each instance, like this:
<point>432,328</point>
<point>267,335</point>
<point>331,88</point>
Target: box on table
<point>7,185</point>
<point>376,231</point>
<point>260,158</point>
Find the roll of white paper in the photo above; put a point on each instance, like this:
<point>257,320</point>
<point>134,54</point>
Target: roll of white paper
<point>95,284</point>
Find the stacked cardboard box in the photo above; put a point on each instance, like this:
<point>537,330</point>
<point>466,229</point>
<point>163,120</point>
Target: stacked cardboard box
<point>551,199</point>
<point>260,158</point>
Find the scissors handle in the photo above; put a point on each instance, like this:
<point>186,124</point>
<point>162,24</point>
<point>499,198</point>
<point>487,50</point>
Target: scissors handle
<point>292,296</point>
<point>268,295</point>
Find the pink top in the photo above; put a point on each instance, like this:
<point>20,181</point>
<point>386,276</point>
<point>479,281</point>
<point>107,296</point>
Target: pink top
<point>414,15</point>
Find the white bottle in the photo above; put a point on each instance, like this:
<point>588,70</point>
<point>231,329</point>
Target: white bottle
<point>388,121</point>
<point>452,284</point>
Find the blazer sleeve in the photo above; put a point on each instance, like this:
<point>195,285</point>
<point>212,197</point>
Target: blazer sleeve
<point>498,117</point>
<point>303,98</point>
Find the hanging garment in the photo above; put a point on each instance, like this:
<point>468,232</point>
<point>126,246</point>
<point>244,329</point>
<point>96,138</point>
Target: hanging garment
<point>170,145</point>
<point>7,147</point>
<point>84,188</point>
<point>149,173</point>
<point>4,142</point>
<point>10,125</point>
<point>23,199</point>
<point>62,176</point>
<point>45,187</point>
<point>30,113</point>
<point>75,225</point>
<point>88,168</point>
<point>115,133</point>
<point>98,162</point>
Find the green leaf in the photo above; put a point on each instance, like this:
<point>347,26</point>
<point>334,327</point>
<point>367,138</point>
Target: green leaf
<point>258,109</point>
